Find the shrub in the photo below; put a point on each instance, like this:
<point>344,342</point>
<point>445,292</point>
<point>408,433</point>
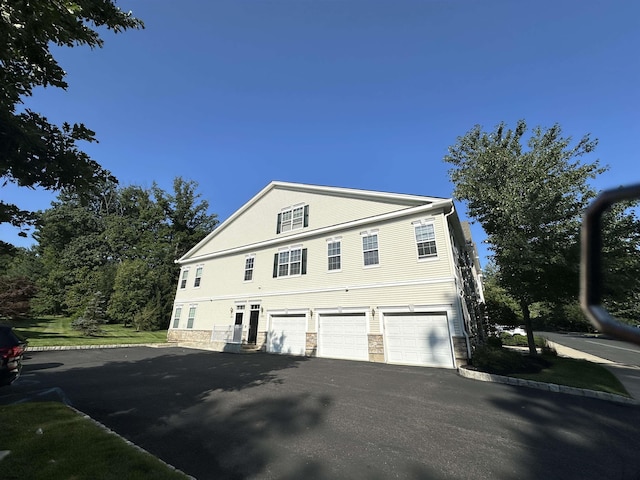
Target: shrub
<point>502,361</point>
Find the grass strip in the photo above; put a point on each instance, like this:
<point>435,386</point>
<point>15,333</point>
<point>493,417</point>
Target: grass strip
<point>56,331</point>
<point>577,373</point>
<point>49,440</point>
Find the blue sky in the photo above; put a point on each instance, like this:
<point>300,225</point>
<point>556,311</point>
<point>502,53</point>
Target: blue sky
<point>361,94</point>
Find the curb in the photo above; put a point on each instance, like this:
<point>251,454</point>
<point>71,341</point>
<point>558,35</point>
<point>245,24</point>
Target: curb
<point>549,387</point>
<point>128,442</point>
<point>95,347</point>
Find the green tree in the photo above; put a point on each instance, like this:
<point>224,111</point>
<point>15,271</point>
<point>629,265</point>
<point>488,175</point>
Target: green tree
<point>34,152</point>
<point>94,315</point>
<point>621,261</point>
<point>529,200</point>
<point>501,308</point>
<point>133,283</point>
<point>187,216</point>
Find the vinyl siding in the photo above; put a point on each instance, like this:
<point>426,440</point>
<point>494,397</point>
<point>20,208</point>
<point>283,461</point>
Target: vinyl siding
<point>400,279</point>
<point>258,223</point>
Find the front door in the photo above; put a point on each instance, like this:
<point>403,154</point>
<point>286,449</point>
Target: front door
<point>253,324</point>
<point>237,328</point>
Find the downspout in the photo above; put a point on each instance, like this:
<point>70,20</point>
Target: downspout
<point>461,307</point>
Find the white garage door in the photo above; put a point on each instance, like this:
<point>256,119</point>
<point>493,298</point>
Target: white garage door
<point>418,339</point>
<point>287,334</point>
<point>343,336</point>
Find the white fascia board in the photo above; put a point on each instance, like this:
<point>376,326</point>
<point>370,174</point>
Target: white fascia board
<point>299,237</point>
<point>357,193</point>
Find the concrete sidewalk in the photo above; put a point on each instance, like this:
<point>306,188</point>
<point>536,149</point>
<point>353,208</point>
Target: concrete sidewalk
<point>628,375</point>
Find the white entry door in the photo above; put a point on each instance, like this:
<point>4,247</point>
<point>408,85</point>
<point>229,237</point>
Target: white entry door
<point>418,339</point>
<point>287,334</point>
<point>343,336</point>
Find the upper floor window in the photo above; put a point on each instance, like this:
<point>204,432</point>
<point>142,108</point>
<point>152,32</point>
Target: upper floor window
<point>334,254</point>
<point>248,268</point>
<point>426,240</point>
<point>293,218</point>
<point>183,279</point>
<point>176,317</point>
<point>197,280</point>
<point>370,249</point>
<point>290,262</point>
<point>192,316</point>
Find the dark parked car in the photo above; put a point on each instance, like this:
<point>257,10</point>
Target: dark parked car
<point>11,352</point>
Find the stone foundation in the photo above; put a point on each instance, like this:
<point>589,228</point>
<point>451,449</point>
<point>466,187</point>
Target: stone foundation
<point>376,348</point>
<point>195,336</point>
<point>460,350</point>
<point>311,347</point>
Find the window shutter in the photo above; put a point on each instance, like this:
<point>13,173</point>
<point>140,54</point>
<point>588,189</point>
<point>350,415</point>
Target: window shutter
<point>278,226</point>
<point>275,265</point>
<point>306,215</point>
<point>304,261</point>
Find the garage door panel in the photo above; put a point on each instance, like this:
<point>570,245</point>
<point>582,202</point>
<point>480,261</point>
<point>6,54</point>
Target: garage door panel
<point>343,336</point>
<point>418,339</point>
<point>287,335</point>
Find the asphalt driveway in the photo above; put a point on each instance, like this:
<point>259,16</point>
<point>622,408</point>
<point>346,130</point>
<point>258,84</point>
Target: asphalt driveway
<point>216,415</point>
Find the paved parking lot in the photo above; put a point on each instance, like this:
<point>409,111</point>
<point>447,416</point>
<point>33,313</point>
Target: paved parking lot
<point>216,415</point>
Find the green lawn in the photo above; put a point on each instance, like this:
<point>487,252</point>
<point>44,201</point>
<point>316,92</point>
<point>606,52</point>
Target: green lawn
<point>57,331</point>
<point>576,373</point>
<point>50,441</point>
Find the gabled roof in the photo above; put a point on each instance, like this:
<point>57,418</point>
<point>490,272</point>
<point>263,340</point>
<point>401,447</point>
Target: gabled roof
<point>392,198</point>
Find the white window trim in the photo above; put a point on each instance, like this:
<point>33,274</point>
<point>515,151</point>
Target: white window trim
<point>334,240</point>
<point>195,275</point>
<point>186,280</point>
<point>291,209</point>
<point>253,268</point>
<point>173,317</point>
<point>424,222</point>
<point>290,249</point>
<point>369,233</point>
<point>193,307</point>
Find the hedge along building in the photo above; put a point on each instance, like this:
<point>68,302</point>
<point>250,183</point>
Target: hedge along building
<point>334,272</point>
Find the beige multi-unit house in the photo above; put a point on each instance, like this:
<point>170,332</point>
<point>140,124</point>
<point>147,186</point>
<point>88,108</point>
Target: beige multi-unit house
<point>334,272</point>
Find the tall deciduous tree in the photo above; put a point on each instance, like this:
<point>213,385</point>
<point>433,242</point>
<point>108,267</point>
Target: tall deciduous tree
<point>33,152</point>
<point>529,198</point>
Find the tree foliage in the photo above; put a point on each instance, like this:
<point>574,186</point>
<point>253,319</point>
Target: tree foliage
<point>94,315</point>
<point>528,195</point>
<point>34,152</point>
<point>621,261</point>
<point>122,242</point>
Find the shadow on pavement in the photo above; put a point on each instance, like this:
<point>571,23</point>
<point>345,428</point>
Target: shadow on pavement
<point>557,433</point>
<point>183,397</point>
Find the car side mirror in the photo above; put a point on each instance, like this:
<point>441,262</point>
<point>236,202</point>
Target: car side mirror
<point>591,280</point>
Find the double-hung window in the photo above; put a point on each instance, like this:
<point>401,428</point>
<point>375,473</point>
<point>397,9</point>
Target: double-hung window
<point>425,240</point>
<point>290,262</point>
<point>176,317</point>
<point>248,268</point>
<point>183,279</point>
<point>293,218</point>
<point>334,254</point>
<point>370,249</point>
<point>192,316</point>
<point>198,279</point>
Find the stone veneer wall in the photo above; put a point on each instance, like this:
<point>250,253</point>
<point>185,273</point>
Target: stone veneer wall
<point>460,350</point>
<point>311,347</point>
<point>199,336</point>
<point>376,348</point>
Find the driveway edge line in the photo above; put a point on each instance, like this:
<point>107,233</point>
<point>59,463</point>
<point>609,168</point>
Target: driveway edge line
<point>550,387</point>
<point>92,347</point>
<point>128,442</point>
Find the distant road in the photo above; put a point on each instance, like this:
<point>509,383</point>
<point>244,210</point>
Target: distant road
<point>603,347</point>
